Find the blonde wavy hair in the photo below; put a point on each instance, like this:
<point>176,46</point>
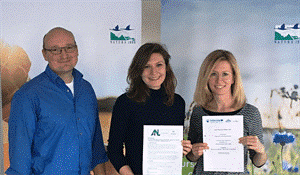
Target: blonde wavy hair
<point>203,95</point>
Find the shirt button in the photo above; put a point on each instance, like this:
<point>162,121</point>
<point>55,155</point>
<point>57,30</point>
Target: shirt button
<point>68,90</point>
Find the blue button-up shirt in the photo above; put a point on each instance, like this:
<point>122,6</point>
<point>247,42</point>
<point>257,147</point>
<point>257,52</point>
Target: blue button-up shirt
<point>53,132</point>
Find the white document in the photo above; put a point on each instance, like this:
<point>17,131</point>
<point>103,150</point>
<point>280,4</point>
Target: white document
<point>162,149</point>
<point>222,134</point>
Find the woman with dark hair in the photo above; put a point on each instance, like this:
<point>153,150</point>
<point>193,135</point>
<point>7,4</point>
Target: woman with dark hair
<point>219,91</point>
<point>149,100</point>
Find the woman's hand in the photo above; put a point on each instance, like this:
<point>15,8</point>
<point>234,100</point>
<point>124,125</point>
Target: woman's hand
<point>252,142</point>
<point>187,146</point>
<point>197,151</point>
<point>126,170</point>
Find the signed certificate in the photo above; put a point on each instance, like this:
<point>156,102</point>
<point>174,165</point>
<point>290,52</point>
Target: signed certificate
<point>162,150</point>
<point>221,133</point>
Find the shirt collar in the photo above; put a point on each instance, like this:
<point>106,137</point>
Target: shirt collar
<point>53,76</point>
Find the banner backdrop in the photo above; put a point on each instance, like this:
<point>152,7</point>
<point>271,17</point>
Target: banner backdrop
<point>264,37</point>
<point>107,32</point>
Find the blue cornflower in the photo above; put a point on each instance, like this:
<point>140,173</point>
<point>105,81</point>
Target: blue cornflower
<point>294,95</point>
<point>286,166</point>
<point>296,169</point>
<point>283,138</point>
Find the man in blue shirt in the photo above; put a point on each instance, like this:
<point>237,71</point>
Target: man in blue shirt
<point>54,126</point>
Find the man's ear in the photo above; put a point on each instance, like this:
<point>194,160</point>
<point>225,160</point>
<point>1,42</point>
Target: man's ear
<point>44,54</point>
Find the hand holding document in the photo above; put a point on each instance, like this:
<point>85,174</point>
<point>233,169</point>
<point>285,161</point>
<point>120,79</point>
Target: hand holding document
<point>222,134</point>
<point>162,150</point>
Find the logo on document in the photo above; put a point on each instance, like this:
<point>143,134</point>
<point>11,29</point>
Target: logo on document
<point>155,132</point>
<point>214,121</point>
<point>122,35</point>
<point>287,34</point>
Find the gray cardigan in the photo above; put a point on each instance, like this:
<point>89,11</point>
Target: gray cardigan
<point>252,126</point>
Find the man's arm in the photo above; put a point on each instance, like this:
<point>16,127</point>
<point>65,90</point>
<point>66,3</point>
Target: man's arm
<point>20,134</point>
<point>99,156</point>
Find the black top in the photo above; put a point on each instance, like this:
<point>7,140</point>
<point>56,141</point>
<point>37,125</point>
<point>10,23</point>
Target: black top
<point>128,119</point>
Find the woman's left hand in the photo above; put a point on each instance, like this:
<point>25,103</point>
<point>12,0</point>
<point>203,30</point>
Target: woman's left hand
<point>252,142</point>
<point>187,146</point>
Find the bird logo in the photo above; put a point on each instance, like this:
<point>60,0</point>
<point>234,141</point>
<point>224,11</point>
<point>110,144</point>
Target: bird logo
<point>117,28</point>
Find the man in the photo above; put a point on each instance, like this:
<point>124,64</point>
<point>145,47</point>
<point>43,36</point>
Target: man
<point>54,126</point>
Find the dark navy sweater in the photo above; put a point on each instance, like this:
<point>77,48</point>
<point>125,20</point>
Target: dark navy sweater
<point>128,119</point>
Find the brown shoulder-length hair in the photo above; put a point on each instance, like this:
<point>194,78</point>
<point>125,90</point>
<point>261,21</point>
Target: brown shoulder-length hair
<point>203,95</point>
<point>138,90</point>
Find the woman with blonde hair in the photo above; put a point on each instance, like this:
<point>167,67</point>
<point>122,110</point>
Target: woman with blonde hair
<point>219,91</point>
